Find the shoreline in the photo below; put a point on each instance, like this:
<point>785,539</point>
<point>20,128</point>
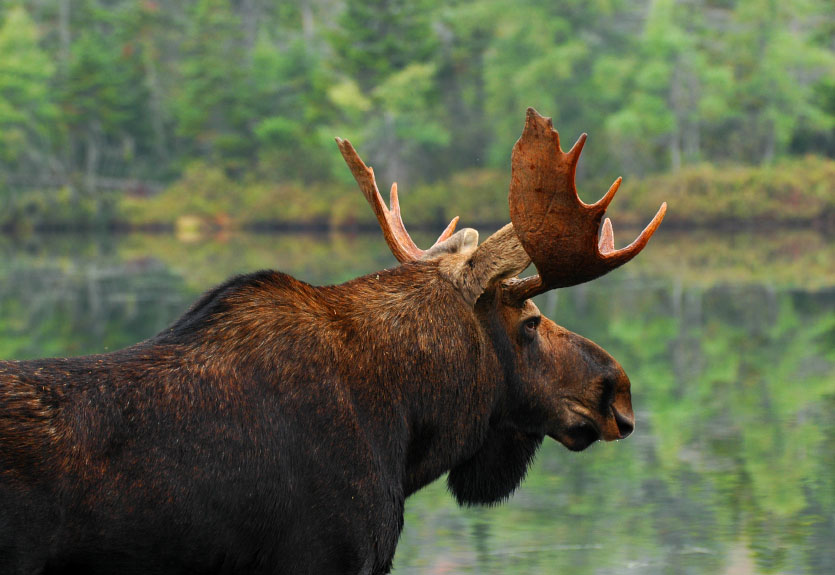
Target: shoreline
<point>824,224</point>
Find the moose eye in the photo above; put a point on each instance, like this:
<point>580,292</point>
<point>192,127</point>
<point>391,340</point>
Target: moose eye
<point>530,326</point>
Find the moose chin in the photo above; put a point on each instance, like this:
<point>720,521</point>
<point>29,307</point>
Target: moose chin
<point>278,427</point>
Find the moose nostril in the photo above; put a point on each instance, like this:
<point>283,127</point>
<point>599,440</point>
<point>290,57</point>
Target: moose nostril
<point>625,424</point>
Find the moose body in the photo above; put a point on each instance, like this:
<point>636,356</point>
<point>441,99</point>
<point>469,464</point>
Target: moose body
<point>275,427</point>
<point>278,427</point>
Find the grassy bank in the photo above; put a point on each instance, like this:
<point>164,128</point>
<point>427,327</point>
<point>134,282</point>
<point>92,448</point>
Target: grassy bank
<point>796,192</point>
<point>799,192</point>
<point>789,193</point>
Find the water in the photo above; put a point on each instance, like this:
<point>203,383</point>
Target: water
<point>729,340</point>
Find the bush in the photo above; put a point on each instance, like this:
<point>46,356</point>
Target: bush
<point>792,191</point>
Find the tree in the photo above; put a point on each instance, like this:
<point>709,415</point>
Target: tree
<point>386,53</point>
<point>209,106</point>
<point>28,134</point>
<point>287,104</point>
<point>377,38</point>
<point>778,68</point>
<point>143,31</point>
<point>545,54</point>
<point>673,90</point>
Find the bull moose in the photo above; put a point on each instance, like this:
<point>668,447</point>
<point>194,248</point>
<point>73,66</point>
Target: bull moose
<point>278,427</point>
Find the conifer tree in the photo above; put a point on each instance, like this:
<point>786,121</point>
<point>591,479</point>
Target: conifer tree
<point>28,114</point>
<point>210,100</point>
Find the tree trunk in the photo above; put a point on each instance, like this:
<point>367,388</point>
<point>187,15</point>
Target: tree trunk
<point>155,104</point>
<point>64,38</point>
<point>308,24</point>
<point>678,105</point>
<point>91,160</point>
<point>770,142</point>
<point>675,152</point>
<point>250,14</point>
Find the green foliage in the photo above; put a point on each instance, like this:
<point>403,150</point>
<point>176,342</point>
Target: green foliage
<point>672,89</point>
<point>536,58</point>
<point>406,96</point>
<point>378,38</point>
<point>288,96</point>
<point>777,73</point>
<point>788,192</point>
<point>27,109</point>
<point>94,95</point>
<point>210,97</point>
<point>94,89</point>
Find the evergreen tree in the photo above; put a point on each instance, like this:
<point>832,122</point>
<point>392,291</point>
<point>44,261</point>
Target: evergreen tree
<point>210,102</point>
<point>28,133</point>
<point>387,53</point>
<point>542,54</point>
<point>377,38</point>
<point>142,32</point>
<point>288,106</point>
<point>106,100</point>
<point>778,68</point>
<point>646,131</point>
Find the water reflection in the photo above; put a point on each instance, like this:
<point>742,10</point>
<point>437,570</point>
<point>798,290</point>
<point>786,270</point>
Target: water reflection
<point>729,342</point>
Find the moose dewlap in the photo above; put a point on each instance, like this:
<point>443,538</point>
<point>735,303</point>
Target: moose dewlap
<point>278,427</point>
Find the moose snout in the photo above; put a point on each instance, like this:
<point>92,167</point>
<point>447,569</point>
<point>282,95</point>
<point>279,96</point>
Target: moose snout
<point>621,420</point>
<point>625,423</point>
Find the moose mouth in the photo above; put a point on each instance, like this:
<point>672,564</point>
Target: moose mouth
<point>579,436</point>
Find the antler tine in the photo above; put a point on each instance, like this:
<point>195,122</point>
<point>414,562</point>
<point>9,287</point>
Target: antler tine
<point>561,234</point>
<point>396,221</point>
<point>397,238</point>
<point>575,151</point>
<point>515,290</point>
<point>607,238</point>
<point>448,231</point>
<point>623,255</point>
<point>603,203</point>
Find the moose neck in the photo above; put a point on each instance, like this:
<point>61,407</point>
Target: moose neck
<point>437,369</point>
<point>494,472</point>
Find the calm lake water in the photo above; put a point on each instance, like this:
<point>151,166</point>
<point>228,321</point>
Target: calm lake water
<point>729,340</point>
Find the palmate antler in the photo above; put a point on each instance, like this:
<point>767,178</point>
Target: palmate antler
<point>558,231</point>
<point>401,245</point>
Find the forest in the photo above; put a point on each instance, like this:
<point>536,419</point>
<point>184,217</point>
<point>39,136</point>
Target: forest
<point>146,111</point>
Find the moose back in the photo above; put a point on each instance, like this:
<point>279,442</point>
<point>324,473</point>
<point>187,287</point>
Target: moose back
<point>278,427</point>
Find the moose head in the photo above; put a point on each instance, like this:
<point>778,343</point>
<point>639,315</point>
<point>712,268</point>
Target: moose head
<point>555,382</point>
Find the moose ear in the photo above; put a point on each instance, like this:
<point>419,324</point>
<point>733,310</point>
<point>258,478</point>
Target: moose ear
<point>500,256</point>
<point>461,242</point>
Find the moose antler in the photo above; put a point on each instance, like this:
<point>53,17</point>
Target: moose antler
<point>558,231</point>
<point>398,239</point>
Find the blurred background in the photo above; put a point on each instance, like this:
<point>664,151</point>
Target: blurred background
<point>131,113</point>
<point>150,149</point>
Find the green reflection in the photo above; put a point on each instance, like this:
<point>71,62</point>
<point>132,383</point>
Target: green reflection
<point>729,342</point>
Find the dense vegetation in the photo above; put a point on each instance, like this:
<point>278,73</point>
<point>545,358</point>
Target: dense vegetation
<point>103,99</point>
